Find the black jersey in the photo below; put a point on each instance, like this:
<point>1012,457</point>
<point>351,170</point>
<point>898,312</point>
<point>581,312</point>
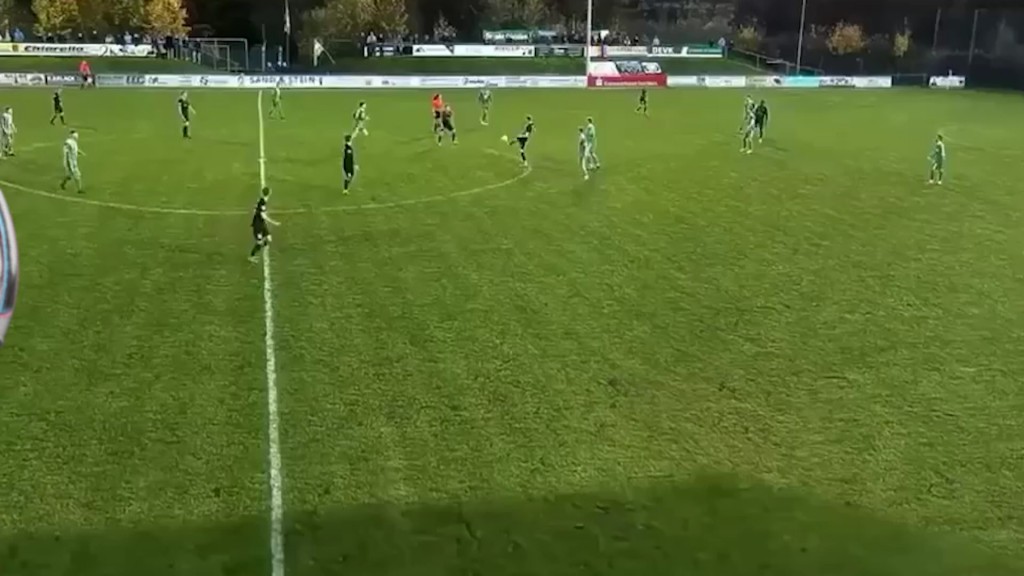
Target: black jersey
<point>446,120</point>
<point>184,107</point>
<point>761,114</point>
<point>259,214</point>
<point>58,105</point>
<point>527,131</point>
<point>349,158</point>
<point>643,95</point>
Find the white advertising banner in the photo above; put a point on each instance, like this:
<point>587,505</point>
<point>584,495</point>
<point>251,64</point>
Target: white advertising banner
<point>682,82</point>
<point>495,51</point>
<point>947,82</point>
<point>240,81</point>
<point>433,50</point>
<point>722,81</point>
<point>75,50</point>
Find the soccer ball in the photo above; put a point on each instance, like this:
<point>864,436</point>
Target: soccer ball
<point>504,138</point>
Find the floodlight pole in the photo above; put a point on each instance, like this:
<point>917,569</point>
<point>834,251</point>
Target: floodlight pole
<point>590,33</point>
<point>974,38</point>
<point>800,39</point>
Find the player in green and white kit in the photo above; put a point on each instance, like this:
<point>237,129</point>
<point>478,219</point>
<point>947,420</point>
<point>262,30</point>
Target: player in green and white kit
<point>749,125</point>
<point>276,107</point>
<point>7,132</point>
<point>71,153</point>
<point>938,158</point>
<point>359,119</point>
<point>583,154</point>
<point>590,136</point>
<point>484,98</point>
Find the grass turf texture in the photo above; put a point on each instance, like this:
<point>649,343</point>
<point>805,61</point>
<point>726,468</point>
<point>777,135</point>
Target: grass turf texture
<point>800,362</point>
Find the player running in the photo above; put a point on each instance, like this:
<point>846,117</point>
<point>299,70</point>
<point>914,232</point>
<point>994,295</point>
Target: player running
<point>7,132</point>
<point>447,125</point>
<point>58,108</point>
<point>261,224</point>
<point>71,153</point>
<point>761,119</point>
<point>276,106</point>
<point>484,98</point>
<point>359,119</point>
<point>593,162</point>
<point>642,105</point>
<point>185,111</point>
<point>523,139</point>
<point>938,158</point>
<point>348,164</point>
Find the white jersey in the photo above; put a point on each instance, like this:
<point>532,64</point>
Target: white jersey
<point>583,146</point>
<point>7,123</point>
<point>71,151</point>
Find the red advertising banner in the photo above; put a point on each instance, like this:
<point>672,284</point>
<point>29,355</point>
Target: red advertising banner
<point>628,81</point>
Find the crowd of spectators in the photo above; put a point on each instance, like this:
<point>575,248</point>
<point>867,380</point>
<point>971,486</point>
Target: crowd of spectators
<point>180,47</point>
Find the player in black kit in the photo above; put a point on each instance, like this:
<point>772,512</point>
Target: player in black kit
<point>348,163</point>
<point>761,120</point>
<point>185,110</point>
<point>523,139</point>
<point>447,125</point>
<point>261,224</point>
<point>642,105</point>
<point>58,108</point>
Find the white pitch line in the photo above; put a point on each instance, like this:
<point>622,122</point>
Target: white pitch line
<point>342,208</point>
<point>273,417</point>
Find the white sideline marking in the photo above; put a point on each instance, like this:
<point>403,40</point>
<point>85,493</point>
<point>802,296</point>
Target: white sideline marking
<point>273,419</point>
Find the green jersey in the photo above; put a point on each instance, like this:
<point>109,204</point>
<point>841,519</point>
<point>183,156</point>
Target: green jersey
<point>359,115</point>
<point>484,98</point>
<point>939,153</point>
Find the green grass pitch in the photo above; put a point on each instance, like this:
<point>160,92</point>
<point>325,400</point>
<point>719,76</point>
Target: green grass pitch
<point>801,362</point>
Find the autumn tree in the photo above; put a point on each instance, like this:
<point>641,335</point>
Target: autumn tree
<point>749,37</point>
<point>165,17</point>
<point>518,13</point>
<point>124,14</point>
<point>6,9</point>
<point>901,43</point>
<point>55,16</point>
<point>389,17</point>
<point>846,39</point>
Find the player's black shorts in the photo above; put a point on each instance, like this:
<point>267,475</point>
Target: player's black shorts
<point>260,233</point>
<point>759,123</point>
<point>447,125</point>
<point>523,141</point>
<point>437,114</point>
<point>185,117</point>
<point>85,78</point>
<point>58,109</point>
<point>349,170</point>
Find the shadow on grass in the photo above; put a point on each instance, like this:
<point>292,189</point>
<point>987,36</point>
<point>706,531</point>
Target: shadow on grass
<point>712,526</point>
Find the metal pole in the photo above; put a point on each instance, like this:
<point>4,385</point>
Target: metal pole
<point>263,50</point>
<point>974,37</point>
<point>935,34</point>
<point>800,40</point>
<point>590,32</point>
